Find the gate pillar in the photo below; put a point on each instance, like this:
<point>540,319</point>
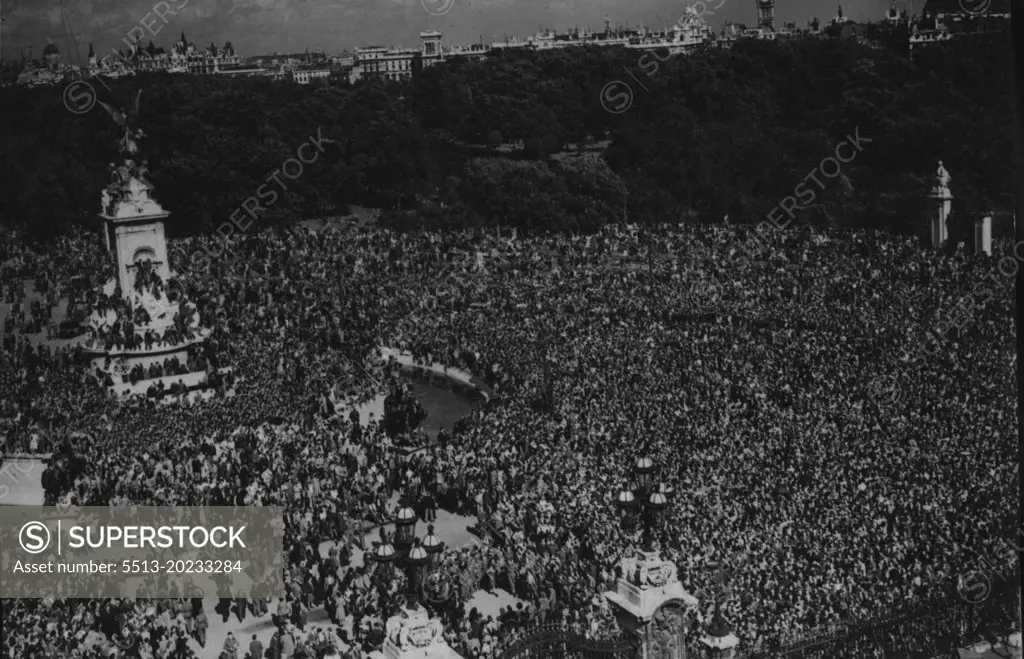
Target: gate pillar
<point>650,602</point>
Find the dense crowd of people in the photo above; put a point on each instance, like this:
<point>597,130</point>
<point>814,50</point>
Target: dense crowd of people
<point>122,324</point>
<point>667,342</point>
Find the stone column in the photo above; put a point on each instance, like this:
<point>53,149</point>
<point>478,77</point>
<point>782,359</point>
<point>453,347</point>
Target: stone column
<point>983,236</point>
<point>941,202</point>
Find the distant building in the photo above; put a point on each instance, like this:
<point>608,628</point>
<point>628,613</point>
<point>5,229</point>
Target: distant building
<point>839,18</point>
<point>52,58</point>
<point>689,33</point>
<point>943,21</point>
<point>954,10</point>
<point>183,57</point>
<point>894,16</point>
<point>733,32</point>
<point>47,71</point>
<point>381,63</point>
<point>766,14</point>
<point>305,76</point>
<point>476,50</point>
<point>791,31</point>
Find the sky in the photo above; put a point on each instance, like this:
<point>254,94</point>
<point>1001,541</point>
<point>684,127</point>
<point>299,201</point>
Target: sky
<point>266,26</point>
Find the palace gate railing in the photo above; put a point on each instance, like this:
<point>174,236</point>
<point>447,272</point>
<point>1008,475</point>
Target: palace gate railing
<point>554,642</point>
<point>932,629</point>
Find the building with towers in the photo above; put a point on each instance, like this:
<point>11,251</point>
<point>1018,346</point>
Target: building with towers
<point>381,63</point>
<point>51,56</point>
<point>766,14</point>
<point>430,46</point>
<point>839,18</point>
<point>942,21</point>
<point>183,57</point>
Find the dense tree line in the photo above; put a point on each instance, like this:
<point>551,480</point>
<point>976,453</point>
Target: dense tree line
<point>720,132</point>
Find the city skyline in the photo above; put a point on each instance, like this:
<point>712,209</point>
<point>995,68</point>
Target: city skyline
<point>267,26</point>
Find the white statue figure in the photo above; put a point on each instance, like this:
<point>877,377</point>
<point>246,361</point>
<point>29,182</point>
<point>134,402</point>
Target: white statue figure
<point>941,177</point>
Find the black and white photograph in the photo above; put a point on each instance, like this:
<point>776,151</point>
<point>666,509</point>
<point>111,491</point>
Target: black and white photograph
<point>510,329</point>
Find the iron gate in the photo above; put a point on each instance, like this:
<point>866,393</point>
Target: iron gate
<point>932,629</point>
<point>554,642</point>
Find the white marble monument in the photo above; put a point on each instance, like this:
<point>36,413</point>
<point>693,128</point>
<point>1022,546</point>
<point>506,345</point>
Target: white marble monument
<point>941,204</point>
<point>166,324</point>
<point>983,236</point>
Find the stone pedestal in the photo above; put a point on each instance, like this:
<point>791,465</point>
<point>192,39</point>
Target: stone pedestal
<point>134,233</point>
<point>413,635</point>
<point>983,236</point>
<point>941,204</point>
<point>650,602</point>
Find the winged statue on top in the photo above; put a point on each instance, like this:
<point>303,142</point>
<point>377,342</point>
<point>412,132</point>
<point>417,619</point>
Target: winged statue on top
<point>129,180</point>
<point>129,124</point>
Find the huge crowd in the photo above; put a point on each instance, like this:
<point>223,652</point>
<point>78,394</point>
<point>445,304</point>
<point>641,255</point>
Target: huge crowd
<point>826,362</point>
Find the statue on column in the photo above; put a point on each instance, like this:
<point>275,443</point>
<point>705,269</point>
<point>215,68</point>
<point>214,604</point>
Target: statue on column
<point>129,180</point>
<point>129,123</point>
<point>941,177</point>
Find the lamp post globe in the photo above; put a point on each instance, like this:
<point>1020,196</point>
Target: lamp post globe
<point>645,498</point>
<point>644,470</point>
<point>433,546</point>
<point>626,500</point>
<point>385,556</point>
<point>405,528</point>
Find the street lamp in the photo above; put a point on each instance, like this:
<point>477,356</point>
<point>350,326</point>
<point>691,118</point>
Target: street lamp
<point>405,529</point>
<point>414,561</point>
<point>384,555</point>
<point>433,546</point>
<point>409,554</point>
<point>646,498</point>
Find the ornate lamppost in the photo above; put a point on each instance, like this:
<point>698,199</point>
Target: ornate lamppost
<point>419,559</point>
<point>405,529</point>
<point>646,498</point>
<point>649,601</point>
<point>433,546</point>
<point>411,632</point>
